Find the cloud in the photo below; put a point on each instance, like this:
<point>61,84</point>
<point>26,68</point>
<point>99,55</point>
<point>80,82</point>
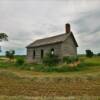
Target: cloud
<point>27,20</point>
<point>88,27</point>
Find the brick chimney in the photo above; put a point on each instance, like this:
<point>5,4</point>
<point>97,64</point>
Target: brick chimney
<point>67,28</point>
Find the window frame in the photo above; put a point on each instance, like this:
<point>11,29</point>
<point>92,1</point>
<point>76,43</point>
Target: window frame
<point>34,54</point>
<point>42,53</point>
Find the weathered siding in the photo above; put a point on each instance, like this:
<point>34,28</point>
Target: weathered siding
<point>46,49</point>
<point>68,47</point>
<point>29,54</point>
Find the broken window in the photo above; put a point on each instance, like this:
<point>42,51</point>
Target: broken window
<point>52,51</point>
<point>42,53</point>
<point>33,54</point>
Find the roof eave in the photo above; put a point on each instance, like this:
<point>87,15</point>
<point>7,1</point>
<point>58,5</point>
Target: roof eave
<point>43,44</point>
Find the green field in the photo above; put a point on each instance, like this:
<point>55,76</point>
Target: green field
<point>26,82</point>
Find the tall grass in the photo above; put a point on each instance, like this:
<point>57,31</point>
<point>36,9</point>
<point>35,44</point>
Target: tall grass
<point>85,64</point>
<point>94,61</point>
<point>6,64</point>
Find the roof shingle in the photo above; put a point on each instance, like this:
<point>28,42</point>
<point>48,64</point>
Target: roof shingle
<point>51,40</point>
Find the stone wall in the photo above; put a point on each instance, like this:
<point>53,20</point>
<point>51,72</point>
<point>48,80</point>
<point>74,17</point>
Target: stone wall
<point>46,49</point>
<point>68,47</point>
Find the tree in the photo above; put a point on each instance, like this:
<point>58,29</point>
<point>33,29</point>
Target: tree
<point>3,37</point>
<point>10,54</point>
<point>89,53</point>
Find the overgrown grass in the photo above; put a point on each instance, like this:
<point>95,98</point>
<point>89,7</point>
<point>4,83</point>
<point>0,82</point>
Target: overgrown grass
<point>91,62</point>
<point>6,64</point>
<point>9,75</point>
<point>42,68</point>
<point>40,80</point>
<point>86,63</point>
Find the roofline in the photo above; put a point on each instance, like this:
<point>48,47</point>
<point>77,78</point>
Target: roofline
<point>29,46</point>
<point>74,39</point>
<point>45,38</point>
<point>44,44</point>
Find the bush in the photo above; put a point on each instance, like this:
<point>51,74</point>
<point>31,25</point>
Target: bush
<point>70,59</point>
<point>10,54</point>
<point>98,54</point>
<point>20,61</point>
<point>89,53</point>
<point>54,69</point>
<point>51,59</point>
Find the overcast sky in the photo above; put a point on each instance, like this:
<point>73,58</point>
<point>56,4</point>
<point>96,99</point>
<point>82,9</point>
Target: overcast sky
<point>27,20</point>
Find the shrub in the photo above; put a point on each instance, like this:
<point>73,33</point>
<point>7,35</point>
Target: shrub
<point>10,54</point>
<point>98,54</point>
<point>20,61</point>
<point>54,69</point>
<point>70,59</point>
<point>51,59</point>
<point>89,53</point>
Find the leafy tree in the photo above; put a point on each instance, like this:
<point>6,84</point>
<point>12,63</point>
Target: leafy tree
<point>3,37</point>
<point>89,53</point>
<point>10,54</point>
<point>51,59</point>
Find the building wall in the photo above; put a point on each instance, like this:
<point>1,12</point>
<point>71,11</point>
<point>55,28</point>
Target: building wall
<point>46,49</point>
<point>30,54</point>
<point>68,47</point>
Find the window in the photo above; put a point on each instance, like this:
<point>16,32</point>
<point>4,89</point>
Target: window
<point>52,51</point>
<point>33,54</point>
<point>42,53</point>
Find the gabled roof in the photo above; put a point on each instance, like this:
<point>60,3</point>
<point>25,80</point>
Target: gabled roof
<point>52,40</point>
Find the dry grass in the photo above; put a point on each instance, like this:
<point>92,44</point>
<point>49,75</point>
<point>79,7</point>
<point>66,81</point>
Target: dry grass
<point>16,84</point>
<point>49,98</point>
<point>13,85</point>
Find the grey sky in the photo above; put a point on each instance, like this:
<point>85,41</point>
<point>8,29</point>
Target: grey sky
<point>27,20</point>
